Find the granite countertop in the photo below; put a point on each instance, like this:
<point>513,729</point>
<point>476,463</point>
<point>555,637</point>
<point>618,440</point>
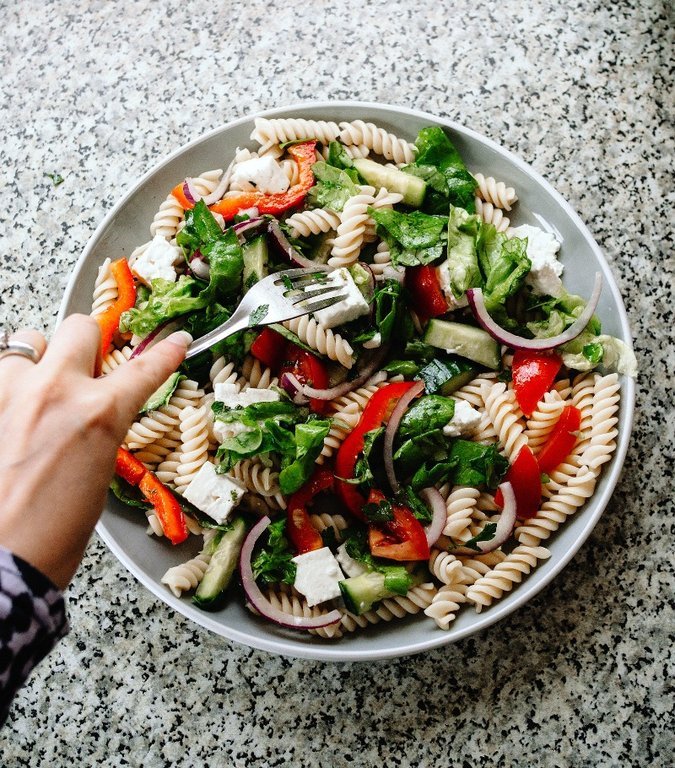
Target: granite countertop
<point>98,92</point>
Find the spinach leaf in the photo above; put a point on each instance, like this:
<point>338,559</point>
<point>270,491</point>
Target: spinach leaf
<point>128,494</point>
<point>476,464</point>
<point>389,313</point>
<point>273,564</point>
<point>413,238</point>
<point>428,413</point>
<point>296,470</point>
<point>363,472</point>
<point>332,189</point>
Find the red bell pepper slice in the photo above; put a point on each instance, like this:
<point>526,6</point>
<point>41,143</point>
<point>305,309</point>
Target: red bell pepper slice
<point>402,538</point>
<point>109,321</point>
<point>305,156</point>
<point>533,373</point>
<point>128,467</point>
<point>301,532</point>
<point>167,508</point>
<point>425,289</point>
<point>377,411</point>
<point>270,348</point>
<point>525,477</point>
<point>561,440</point>
<point>308,369</point>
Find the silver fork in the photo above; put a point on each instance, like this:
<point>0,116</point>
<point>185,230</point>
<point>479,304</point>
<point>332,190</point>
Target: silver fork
<point>275,298</point>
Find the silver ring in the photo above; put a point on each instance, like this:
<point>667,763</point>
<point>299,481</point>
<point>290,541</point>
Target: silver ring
<point>22,348</point>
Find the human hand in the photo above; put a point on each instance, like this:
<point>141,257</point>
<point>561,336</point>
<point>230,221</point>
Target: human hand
<point>60,431</point>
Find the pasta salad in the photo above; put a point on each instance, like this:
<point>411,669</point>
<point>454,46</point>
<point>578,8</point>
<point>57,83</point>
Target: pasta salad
<point>409,449</point>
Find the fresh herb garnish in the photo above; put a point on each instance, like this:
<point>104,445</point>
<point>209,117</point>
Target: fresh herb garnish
<point>487,534</point>
<point>273,564</point>
<point>257,316</point>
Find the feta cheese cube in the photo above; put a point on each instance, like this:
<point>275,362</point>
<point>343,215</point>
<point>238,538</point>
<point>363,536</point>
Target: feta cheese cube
<point>233,398</point>
<point>216,495</point>
<point>353,306</point>
<point>317,576</point>
<point>260,174</point>
<point>542,247</point>
<point>224,430</point>
<point>443,274</point>
<point>465,420</point>
<point>350,566</point>
<point>156,261</point>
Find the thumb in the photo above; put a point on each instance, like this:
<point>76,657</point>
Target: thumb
<point>134,382</point>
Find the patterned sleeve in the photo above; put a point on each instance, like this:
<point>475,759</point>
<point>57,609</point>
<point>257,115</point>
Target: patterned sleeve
<point>32,619</point>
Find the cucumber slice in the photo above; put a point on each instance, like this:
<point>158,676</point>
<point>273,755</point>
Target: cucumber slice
<point>255,260</point>
<point>445,376</point>
<point>412,188</point>
<point>464,340</point>
<point>162,395</point>
<point>223,562</point>
<point>360,592</point>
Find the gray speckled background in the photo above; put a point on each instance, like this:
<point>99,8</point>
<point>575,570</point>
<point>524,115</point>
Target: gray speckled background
<point>99,91</point>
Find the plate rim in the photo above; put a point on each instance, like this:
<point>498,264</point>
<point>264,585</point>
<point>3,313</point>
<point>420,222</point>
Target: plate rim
<point>527,590</point>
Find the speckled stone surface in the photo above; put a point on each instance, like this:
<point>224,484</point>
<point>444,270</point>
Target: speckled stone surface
<point>99,91</point>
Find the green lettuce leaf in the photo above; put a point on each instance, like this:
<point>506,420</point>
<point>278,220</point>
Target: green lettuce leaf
<point>587,352</point>
<point>332,189</point>
<point>463,268</point>
<point>413,238</point>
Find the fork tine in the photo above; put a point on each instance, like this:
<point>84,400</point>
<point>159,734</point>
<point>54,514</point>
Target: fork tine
<point>305,295</point>
<point>317,305</point>
<point>297,274</point>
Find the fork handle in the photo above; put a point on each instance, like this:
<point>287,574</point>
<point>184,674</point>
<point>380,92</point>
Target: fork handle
<point>238,322</point>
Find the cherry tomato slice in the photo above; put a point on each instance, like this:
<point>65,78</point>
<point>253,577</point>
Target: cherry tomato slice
<point>533,374</point>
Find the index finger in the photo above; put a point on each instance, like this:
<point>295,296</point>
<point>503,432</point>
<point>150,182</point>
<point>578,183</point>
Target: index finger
<point>134,382</point>
<point>75,344</point>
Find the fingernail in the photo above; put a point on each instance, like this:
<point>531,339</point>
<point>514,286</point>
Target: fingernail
<point>180,339</point>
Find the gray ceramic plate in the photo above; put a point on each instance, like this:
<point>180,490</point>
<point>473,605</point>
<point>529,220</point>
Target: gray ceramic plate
<point>127,226</point>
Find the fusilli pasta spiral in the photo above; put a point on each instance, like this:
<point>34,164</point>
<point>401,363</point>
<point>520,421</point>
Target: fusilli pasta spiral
<point>379,140</point>
<point>259,479</point>
<point>603,422</point>
<point>323,340</point>
<point>543,420</point>
<point>257,375</point>
<point>445,604</point>
<point>105,289</point>
<point>351,230</point>
<point>492,215</point>
<point>504,575</point>
<point>194,448</point>
<point>505,415</point>
<point>312,222</point>
<point>186,576</point>
<point>496,192</point>
<point>167,218</point>
<point>558,508</point>
<point>281,130</point>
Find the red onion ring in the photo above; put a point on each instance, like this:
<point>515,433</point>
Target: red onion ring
<point>161,332</point>
<point>280,240</point>
<point>200,268</point>
<point>477,303</point>
<point>339,389</point>
<point>392,428</point>
<point>505,524</point>
<point>293,388</point>
<point>214,196</point>
<point>258,600</point>
<point>433,499</point>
